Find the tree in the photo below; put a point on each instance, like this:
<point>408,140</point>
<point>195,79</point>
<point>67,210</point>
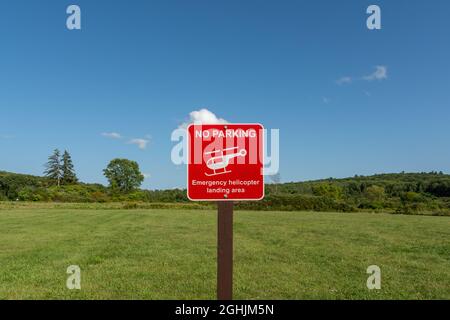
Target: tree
<point>68,171</point>
<point>123,175</point>
<point>276,179</point>
<point>53,167</point>
<point>375,193</point>
<point>328,190</point>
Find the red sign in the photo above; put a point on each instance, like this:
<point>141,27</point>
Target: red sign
<point>225,162</point>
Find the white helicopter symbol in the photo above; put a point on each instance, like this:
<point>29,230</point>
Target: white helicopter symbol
<point>222,160</point>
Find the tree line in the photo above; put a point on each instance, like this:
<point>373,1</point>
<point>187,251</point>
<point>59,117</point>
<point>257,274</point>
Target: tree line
<point>406,193</point>
<point>123,175</point>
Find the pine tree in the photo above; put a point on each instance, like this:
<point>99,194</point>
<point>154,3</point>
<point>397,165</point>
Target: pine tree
<point>68,171</point>
<point>53,167</point>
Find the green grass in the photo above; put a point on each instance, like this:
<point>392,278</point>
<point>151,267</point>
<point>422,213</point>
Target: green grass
<point>171,254</point>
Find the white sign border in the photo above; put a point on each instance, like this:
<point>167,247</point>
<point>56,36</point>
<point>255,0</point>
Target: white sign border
<point>189,157</point>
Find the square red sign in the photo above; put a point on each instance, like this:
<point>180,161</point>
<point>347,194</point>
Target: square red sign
<point>225,162</point>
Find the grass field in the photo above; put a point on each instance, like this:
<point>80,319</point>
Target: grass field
<point>171,254</point>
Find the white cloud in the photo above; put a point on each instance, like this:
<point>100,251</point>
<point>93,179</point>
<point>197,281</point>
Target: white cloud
<point>203,116</point>
<point>380,73</point>
<point>146,175</point>
<point>344,80</point>
<point>141,143</point>
<point>112,135</point>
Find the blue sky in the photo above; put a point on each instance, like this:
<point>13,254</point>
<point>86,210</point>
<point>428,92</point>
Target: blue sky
<point>138,68</point>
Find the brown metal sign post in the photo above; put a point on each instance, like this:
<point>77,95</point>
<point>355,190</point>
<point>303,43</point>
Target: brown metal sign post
<point>225,250</point>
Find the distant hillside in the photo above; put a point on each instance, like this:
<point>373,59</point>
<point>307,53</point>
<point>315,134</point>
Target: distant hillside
<point>15,186</point>
<point>12,183</point>
<point>406,193</point>
<point>395,192</point>
<point>433,183</point>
